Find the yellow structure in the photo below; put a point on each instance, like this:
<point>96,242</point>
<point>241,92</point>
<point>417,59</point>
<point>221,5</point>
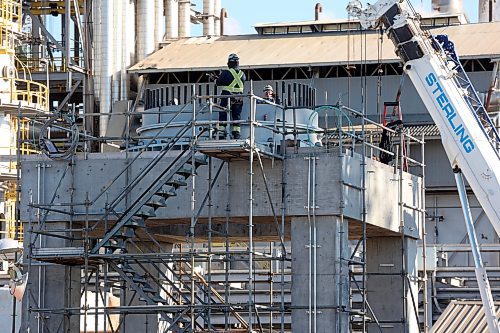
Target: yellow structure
<point>19,95</point>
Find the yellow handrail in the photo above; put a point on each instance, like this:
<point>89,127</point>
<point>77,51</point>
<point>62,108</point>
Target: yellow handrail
<point>10,23</point>
<point>27,93</point>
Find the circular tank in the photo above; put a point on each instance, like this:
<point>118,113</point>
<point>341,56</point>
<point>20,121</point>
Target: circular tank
<point>269,116</point>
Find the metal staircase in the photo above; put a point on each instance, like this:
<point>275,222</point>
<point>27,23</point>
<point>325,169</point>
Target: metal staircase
<point>125,244</point>
<point>146,204</point>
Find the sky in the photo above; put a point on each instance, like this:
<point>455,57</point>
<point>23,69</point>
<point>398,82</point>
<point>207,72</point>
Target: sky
<point>244,14</point>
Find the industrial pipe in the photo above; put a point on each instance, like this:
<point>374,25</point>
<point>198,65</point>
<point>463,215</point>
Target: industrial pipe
<point>171,19</point>
<point>318,9</point>
<point>106,71</point>
<point>223,17</point>
<point>208,17</point>
<point>118,49</point>
<point>489,11</point>
<point>217,17</point>
<point>447,6</point>
<point>184,18</point>
<point>145,29</point>
<point>159,29</point>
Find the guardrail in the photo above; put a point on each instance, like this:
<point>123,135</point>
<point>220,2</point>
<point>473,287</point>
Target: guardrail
<point>26,93</point>
<point>10,22</point>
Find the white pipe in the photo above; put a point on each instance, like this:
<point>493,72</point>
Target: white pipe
<point>96,12</point>
<point>217,18</point>
<point>145,28</point>
<point>172,19</point>
<point>118,49</point>
<point>184,18</point>
<point>208,17</point>
<point>159,23</point>
<point>309,247</point>
<point>447,6</point>
<point>106,70</point>
<point>125,51</point>
<point>484,11</point>
<point>315,246</point>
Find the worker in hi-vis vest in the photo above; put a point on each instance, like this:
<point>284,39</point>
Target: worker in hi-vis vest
<point>232,81</point>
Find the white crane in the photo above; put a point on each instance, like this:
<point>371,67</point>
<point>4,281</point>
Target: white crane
<point>468,135</point>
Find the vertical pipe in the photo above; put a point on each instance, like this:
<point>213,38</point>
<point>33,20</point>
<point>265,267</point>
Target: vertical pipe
<point>309,246</point>
<point>159,28</point>
<point>447,6</point>
<point>314,246</point>
<point>67,41</point>
<point>145,28</point>
<point>96,19</point>
<point>184,18</point>
<point>283,216</point>
<point>193,203</point>
<point>318,9</point>
<point>250,209</point>
<point>106,70</point>
<point>208,17</point>
<point>118,48</point>
<point>484,11</point>
<point>222,18</point>
<point>172,19</point>
<point>125,51</point>
<point>217,17</point>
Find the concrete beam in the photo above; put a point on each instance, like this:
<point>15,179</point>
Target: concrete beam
<point>338,188</point>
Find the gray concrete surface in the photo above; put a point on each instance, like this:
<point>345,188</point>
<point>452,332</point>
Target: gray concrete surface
<point>320,276</point>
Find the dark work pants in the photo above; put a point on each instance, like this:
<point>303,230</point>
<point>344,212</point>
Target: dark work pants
<point>235,113</point>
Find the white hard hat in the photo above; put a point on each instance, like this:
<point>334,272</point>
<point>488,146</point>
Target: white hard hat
<point>268,87</point>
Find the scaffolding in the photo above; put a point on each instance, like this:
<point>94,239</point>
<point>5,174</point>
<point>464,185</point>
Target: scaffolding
<point>196,286</point>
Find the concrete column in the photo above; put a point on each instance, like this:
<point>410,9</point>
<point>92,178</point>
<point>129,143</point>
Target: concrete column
<point>319,276</point>
<point>389,291</point>
<point>51,286</point>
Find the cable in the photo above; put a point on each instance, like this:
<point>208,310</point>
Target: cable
<point>48,147</point>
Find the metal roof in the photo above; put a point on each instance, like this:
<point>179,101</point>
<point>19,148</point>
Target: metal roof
<point>428,130</point>
<point>313,49</point>
<point>463,317</point>
<point>323,25</point>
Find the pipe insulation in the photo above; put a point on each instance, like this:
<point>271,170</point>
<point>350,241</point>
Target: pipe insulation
<point>145,29</point>
<point>118,49</point>
<point>172,19</point>
<point>489,10</point>
<point>184,18</point>
<point>159,29</point>
<point>447,6</point>
<point>127,47</point>
<point>96,22</point>
<point>106,70</point>
<point>217,17</point>
<point>208,17</point>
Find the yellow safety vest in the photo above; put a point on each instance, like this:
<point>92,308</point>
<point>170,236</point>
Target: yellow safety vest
<point>236,86</point>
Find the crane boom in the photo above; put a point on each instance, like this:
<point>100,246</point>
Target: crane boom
<point>469,137</point>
